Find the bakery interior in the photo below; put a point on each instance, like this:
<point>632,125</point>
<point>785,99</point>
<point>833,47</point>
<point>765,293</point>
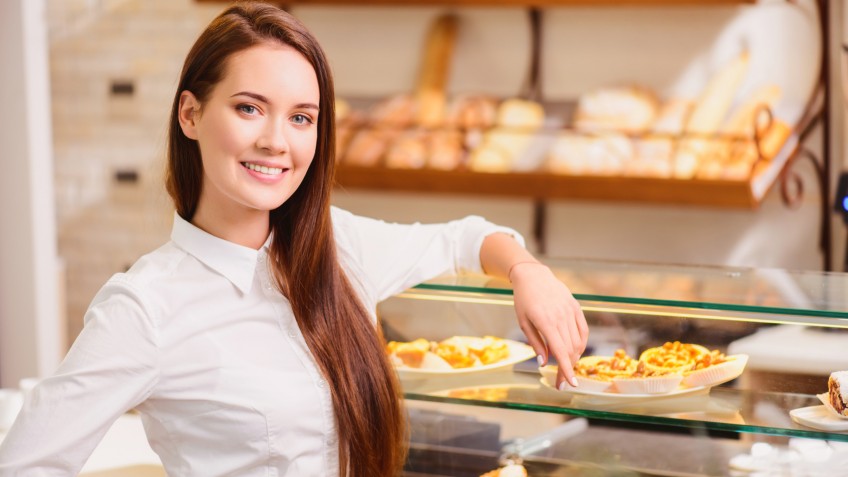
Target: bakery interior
<point>676,162</point>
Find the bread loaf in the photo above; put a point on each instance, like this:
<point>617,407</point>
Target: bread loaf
<point>712,106</point>
<point>625,109</point>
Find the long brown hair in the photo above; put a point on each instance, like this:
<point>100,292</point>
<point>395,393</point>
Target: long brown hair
<point>344,341</point>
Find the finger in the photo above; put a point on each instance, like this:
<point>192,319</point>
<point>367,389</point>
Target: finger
<point>574,337</point>
<point>583,328</point>
<point>535,340</point>
<point>559,345</point>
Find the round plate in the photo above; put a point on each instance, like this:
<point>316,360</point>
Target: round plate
<point>619,396</point>
<point>819,417</point>
<point>518,352</point>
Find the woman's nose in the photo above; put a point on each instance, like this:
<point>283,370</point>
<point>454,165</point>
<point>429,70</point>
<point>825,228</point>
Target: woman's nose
<point>273,138</point>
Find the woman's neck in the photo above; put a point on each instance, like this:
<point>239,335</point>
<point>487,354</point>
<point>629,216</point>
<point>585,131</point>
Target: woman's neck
<point>246,228</point>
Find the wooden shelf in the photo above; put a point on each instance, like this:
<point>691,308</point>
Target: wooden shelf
<point>546,186</point>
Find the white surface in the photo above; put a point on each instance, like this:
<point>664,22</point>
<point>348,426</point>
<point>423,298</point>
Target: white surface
<point>793,349</point>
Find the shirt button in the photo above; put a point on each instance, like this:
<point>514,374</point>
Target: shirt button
<point>292,334</point>
<point>321,383</point>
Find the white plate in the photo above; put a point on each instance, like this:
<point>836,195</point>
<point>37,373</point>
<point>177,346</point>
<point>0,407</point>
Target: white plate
<point>618,396</point>
<point>818,417</point>
<point>518,352</point>
<point>825,399</point>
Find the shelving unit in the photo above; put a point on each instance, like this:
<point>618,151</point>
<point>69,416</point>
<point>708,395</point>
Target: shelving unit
<point>542,186</point>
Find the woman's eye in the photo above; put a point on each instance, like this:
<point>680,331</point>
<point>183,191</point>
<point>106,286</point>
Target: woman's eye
<point>247,109</point>
<point>301,119</point>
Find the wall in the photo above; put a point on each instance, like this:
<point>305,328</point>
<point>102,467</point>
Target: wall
<point>104,224</point>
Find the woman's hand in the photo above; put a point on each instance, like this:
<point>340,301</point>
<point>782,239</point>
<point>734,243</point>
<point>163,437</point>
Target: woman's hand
<point>550,317</point>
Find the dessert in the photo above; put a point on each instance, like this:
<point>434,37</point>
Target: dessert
<point>837,391</point>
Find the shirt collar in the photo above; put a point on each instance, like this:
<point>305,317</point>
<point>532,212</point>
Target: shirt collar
<point>235,262</point>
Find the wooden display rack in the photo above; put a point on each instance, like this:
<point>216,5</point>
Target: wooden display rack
<point>543,186</point>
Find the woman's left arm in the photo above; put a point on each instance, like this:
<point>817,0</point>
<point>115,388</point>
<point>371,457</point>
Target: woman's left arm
<point>547,313</point>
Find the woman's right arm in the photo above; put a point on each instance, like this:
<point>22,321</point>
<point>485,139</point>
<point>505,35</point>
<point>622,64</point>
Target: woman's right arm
<point>111,368</point>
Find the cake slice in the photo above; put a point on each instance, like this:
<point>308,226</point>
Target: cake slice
<point>837,389</point>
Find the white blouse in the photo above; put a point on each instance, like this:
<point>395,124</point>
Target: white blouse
<point>196,337</point>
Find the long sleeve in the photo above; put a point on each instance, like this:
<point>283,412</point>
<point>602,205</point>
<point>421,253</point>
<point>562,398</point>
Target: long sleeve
<point>394,257</point>
<point>111,368</point>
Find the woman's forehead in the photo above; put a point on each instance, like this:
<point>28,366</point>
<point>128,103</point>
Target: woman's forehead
<point>272,70</point>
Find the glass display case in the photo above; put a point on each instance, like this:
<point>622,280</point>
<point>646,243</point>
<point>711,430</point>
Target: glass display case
<point>790,325</point>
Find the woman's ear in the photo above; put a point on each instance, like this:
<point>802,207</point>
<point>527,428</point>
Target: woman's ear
<point>188,114</point>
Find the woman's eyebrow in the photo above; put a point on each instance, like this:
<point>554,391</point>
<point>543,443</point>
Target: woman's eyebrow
<point>306,106</point>
<point>255,96</point>
<point>265,100</point>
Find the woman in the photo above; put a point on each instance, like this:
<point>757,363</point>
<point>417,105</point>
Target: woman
<point>248,342</point>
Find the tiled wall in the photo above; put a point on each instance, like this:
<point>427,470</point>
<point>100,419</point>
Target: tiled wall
<point>105,224</point>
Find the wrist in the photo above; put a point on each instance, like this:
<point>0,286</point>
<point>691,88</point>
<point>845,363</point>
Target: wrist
<point>518,265</point>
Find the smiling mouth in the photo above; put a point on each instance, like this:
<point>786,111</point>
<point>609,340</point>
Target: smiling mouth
<point>271,171</point>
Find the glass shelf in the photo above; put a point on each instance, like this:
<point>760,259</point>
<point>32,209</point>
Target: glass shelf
<point>798,296</point>
<point>721,408</point>
<point>637,306</point>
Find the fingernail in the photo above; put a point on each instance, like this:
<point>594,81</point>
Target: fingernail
<point>540,360</point>
<point>574,382</point>
<point>561,386</point>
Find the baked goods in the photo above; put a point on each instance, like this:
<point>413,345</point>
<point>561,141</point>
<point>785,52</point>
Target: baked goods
<point>408,151</point>
<point>600,155</point>
<point>472,112</point>
<point>625,109</point>
<point>672,357</point>
<point>517,122</point>
<point>837,391</point>
<point>456,352</point>
<point>712,106</point>
<point>445,149</point>
<point>510,470</point>
<point>658,370</point>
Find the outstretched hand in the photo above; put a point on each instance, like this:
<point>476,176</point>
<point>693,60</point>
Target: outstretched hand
<point>550,317</point>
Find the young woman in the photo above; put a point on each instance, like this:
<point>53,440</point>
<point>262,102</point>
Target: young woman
<point>248,342</point>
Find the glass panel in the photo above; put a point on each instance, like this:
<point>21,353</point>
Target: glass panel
<point>787,365</point>
<point>774,291</point>
<point>720,408</point>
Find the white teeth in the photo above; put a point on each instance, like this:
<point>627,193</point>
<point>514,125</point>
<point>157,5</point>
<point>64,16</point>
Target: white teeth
<point>271,171</point>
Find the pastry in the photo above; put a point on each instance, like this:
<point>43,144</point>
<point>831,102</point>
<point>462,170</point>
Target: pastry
<point>601,155</point>
<point>625,109</point>
<point>837,391</point>
<point>520,114</point>
<point>511,470</point>
<point>368,146</point>
<point>672,116</point>
<point>712,106</point>
<point>457,352</point>
<point>472,112</point>
<point>430,108</point>
<point>672,357</point>
<point>408,151</point>
<point>395,112</point>
<point>746,116</point>
<point>445,149</point>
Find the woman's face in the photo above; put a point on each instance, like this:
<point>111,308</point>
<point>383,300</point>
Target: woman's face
<point>257,130</point>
